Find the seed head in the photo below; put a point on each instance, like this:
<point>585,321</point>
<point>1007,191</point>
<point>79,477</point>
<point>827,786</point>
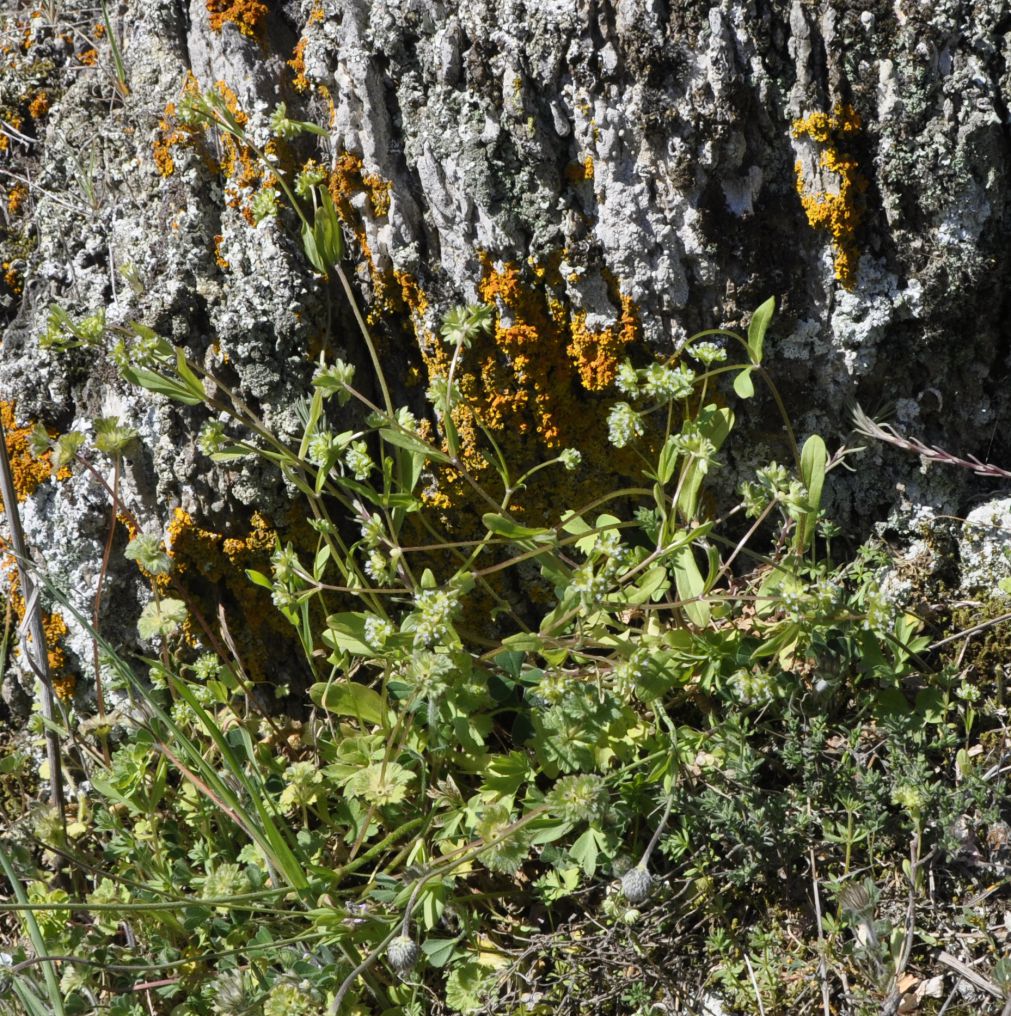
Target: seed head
<point>402,953</point>
<point>636,884</point>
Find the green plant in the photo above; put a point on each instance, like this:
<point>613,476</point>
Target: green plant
<point>473,758</point>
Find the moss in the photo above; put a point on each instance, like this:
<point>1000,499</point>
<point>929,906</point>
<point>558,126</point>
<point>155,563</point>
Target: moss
<point>837,213</point>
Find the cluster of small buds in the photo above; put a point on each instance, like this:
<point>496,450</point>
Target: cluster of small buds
<point>552,689</point>
<point>591,585</point>
<point>662,382</point>
<point>627,379</point>
<point>628,674</point>
<point>434,609</point>
<point>773,483</point>
<point>609,544</point>
<point>303,782</point>
<point>312,175</point>
<point>323,449</point>
<point>826,594</point>
<point>379,567</point>
<point>264,204</point>
<point>285,564</point>
<point>752,687</point>
<point>692,443</point>
<point>335,380</point>
<point>377,631</point>
<point>708,353</point>
<point>441,395</point>
<point>207,667</point>
<point>624,424</point>
<point>429,672</point>
<point>373,531</point>
<point>212,437</point>
<point>571,458</point>
<point>358,460</point>
<point>578,798</point>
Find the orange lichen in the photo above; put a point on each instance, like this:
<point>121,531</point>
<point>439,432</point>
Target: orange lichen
<point>39,106</point>
<point>316,15</point>
<point>12,277</point>
<point>246,15</point>
<point>838,212</point>
<point>16,198</point>
<point>88,57</point>
<point>577,172</point>
<point>348,179</point>
<point>173,132</point>
<point>14,121</point>
<point>98,30</point>
<point>596,353</point>
<point>29,471</point>
<point>297,64</point>
<point>211,567</point>
<point>219,258</point>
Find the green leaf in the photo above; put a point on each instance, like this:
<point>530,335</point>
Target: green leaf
<point>813,458</point>
<point>466,985</point>
<point>402,439</point>
<point>653,582</point>
<point>690,584</point>
<point>586,850</point>
<point>161,385</point>
<point>502,526</point>
<point>347,632</point>
<point>715,423</point>
<point>439,951</point>
<point>668,460</point>
<point>349,699</point>
<point>757,327</point>
<point>743,385</point>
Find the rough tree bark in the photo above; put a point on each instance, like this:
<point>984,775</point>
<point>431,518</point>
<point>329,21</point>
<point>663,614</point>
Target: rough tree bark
<point>612,175</point>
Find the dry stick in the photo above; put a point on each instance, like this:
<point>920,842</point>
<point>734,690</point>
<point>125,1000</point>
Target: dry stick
<point>35,651</point>
<point>822,966</point>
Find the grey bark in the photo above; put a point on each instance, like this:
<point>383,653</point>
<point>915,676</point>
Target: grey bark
<point>479,115</point>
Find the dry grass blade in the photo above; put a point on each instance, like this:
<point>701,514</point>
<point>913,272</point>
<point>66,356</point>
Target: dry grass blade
<point>35,648</point>
<point>864,425</point>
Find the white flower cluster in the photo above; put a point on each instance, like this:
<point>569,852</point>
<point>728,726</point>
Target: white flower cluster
<point>377,631</point>
<point>624,424</point>
<point>663,382</point>
<point>435,609</point>
<point>708,353</point>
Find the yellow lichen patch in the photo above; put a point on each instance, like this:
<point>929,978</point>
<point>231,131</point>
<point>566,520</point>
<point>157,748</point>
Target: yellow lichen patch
<point>16,198</point>
<point>173,132</point>
<point>246,15</point>
<point>316,15</point>
<point>12,277</point>
<point>29,471</point>
<point>64,681</point>
<point>577,172</point>
<point>16,122</point>
<point>596,353</point>
<point>347,179</point>
<point>220,260</point>
<point>297,64</point>
<point>54,627</point>
<point>39,106</point>
<point>837,212</point>
<point>211,567</point>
